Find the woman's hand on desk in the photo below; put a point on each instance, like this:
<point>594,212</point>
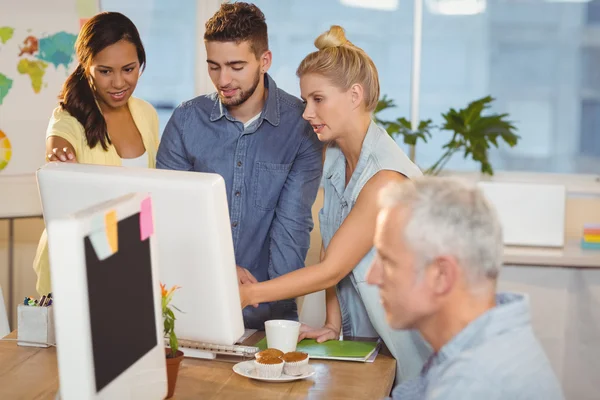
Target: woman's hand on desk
<point>328,332</point>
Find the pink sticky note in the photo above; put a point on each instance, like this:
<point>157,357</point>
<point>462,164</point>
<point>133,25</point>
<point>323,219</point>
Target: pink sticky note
<point>146,222</point>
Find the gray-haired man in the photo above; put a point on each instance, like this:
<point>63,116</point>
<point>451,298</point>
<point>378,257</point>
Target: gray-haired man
<point>439,245</point>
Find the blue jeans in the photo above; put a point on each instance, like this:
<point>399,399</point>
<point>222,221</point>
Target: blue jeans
<point>254,318</point>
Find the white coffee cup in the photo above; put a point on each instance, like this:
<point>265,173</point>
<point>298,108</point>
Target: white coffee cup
<point>282,334</point>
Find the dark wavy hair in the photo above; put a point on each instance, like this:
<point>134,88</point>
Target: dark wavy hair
<point>239,22</point>
<point>76,96</point>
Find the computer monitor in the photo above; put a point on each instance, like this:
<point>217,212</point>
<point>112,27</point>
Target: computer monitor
<point>107,304</point>
<point>195,247</point>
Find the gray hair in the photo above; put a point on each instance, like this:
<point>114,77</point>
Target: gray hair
<point>449,217</point>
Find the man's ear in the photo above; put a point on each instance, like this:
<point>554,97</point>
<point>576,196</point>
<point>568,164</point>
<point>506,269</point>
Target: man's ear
<point>265,61</point>
<point>442,275</point>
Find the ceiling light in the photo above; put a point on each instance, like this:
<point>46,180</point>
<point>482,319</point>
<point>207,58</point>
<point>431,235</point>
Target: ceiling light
<point>456,7</point>
<point>385,5</point>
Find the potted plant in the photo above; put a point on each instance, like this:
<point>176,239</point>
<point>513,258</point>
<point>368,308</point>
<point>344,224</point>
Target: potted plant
<point>473,133</point>
<point>173,354</point>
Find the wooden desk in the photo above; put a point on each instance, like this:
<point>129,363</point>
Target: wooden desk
<point>31,373</point>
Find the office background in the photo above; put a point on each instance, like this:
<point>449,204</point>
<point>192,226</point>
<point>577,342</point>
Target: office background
<point>540,59</point>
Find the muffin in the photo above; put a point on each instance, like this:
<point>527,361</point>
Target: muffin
<point>295,363</point>
<point>268,367</point>
<point>269,353</point>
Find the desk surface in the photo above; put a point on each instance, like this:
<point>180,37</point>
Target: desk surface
<point>31,373</point>
<point>571,255</point>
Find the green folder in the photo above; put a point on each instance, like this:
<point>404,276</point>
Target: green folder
<point>346,350</point>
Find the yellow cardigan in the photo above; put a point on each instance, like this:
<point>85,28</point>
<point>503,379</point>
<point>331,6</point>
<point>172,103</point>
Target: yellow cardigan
<point>66,126</point>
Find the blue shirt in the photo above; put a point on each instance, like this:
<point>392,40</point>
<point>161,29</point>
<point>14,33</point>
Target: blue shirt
<point>272,170</point>
<point>495,357</point>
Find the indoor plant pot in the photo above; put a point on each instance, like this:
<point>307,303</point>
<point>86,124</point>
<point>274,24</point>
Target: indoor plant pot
<point>172,370</point>
<point>173,362</point>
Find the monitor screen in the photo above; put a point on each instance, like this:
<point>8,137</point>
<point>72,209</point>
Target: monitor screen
<point>121,303</point>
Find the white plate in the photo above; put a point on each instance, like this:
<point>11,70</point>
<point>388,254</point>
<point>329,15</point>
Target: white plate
<point>246,368</point>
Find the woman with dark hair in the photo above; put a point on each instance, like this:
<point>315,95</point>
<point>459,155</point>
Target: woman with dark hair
<point>98,121</point>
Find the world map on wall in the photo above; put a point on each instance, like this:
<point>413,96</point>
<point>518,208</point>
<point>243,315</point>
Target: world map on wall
<point>35,56</point>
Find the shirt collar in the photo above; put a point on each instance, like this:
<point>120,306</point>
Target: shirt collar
<point>270,110</point>
<point>511,311</point>
<point>337,171</point>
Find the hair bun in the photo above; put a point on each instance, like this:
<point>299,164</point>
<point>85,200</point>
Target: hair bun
<point>334,37</point>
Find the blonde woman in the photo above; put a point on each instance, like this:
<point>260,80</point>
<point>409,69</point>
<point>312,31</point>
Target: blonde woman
<point>340,86</point>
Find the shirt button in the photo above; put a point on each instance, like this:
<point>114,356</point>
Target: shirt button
<point>234,224</point>
<point>237,194</point>
<point>239,163</point>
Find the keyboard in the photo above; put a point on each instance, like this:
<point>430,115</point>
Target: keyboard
<point>232,350</point>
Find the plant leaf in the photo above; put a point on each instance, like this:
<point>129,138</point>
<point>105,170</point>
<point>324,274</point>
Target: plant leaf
<point>474,131</point>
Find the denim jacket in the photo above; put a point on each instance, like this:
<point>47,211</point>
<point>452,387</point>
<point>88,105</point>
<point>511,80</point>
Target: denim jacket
<point>362,313</point>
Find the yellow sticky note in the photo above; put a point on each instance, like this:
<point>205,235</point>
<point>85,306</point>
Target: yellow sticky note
<point>592,238</point>
<point>110,223</point>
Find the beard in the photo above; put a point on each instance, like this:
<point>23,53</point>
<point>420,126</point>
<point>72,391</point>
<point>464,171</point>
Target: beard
<point>243,95</point>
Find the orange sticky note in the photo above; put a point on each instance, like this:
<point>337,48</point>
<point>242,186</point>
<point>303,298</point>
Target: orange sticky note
<point>110,224</point>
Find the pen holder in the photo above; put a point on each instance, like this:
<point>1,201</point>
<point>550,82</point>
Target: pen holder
<point>35,326</point>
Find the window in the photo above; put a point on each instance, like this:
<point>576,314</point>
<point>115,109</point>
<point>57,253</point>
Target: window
<point>294,26</point>
<point>538,59</point>
<point>527,55</point>
<point>168,31</point>
<point>589,144</point>
<point>593,12</point>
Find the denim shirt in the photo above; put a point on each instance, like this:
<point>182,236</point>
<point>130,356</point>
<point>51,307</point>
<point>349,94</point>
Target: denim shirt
<point>496,357</point>
<point>272,170</point>
<point>362,313</point>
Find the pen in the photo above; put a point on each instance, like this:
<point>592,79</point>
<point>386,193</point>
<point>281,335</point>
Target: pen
<point>44,301</point>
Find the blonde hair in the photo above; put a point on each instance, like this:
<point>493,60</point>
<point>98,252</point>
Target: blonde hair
<point>344,64</point>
